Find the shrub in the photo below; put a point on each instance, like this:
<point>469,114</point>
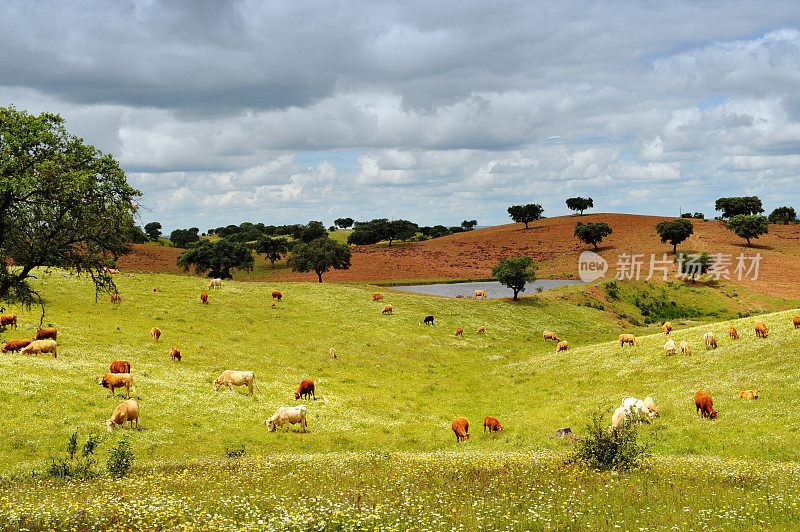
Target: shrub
<point>234,451</point>
<point>120,458</point>
<point>604,448</point>
<point>612,289</point>
<point>82,467</point>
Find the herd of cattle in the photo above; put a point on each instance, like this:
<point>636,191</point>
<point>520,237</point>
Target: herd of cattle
<point>632,410</point>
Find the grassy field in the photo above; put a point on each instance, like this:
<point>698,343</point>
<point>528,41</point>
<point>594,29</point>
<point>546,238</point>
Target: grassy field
<point>390,396</point>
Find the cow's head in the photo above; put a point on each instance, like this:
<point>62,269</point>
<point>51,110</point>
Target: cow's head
<point>296,395</point>
<point>270,425</point>
<point>101,380</point>
<point>217,384</point>
<point>713,414</point>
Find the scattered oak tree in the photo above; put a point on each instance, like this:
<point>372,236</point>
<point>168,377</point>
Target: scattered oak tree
<point>181,238</point>
<point>401,230</point>
<point>344,223</point>
<point>311,231</point>
<point>579,204</point>
<point>217,258</point>
<point>273,248</point>
<point>153,230</point>
<point>675,231</point>
<point>469,225</point>
<point>515,273</point>
<point>320,256</point>
<point>748,226</point>
<point>526,213</point>
<point>63,204</point>
<point>592,233</point>
<point>739,205</point>
<point>783,215</point>
<point>694,264</point>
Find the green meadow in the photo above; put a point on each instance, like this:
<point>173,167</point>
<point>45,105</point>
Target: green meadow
<point>379,433</point>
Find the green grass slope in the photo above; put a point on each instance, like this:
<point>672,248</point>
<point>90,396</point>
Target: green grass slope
<point>396,385</point>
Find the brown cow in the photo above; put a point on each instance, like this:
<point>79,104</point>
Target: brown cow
<point>204,298</point>
<point>492,424</point>
<point>550,335</point>
<point>796,321</point>
<point>667,327</point>
<point>732,333</point>
<point>627,339</point>
<point>115,298</point>
<point>8,319</point>
<point>305,390</point>
<point>377,297</point>
<point>481,329</point>
<point>155,333</point>
<point>16,345</point>
<point>157,290</point>
<point>120,366</point>
<point>562,346</point>
<point>387,309</point>
<point>175,354</point>
<point>461,428</point>
<point>116,380</point>
<point>761,330</point>
<point>460,331</point>
<point>276,295</point>
<point>704,404</point>
<point>748,394</point>
<point>49,332</point>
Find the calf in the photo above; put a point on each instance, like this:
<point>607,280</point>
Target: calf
<point>627,339</point>
<point>204,298</point>
<point>460,331</point>
<point>16,345</point>
<point>288,414</point>
<point>120,366</point>
<point>387,309</point>
<point>461,428</point>
<point>155,333</point>
<point>49,332</point>
<point>377,297</point>
<point>428,320</point>
<point>127,411</point>
<point>704,404</point>
<point>231,378</point>
<point>305,390</point>
<point>761,330</point>
<point>492,424</point>
<point>732,333</point>
<point>748,394</point>
<point>175,354</point>
<point>481,329</point>
<point>667,327</point>
<point>276,295</point>
<point>562,346</point>
<point>8,319</point>
<point>116,380</point>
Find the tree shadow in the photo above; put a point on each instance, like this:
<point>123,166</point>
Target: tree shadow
<point>755,246</point>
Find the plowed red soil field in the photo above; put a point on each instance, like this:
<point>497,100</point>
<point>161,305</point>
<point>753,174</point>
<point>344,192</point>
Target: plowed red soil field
<point>550,242</point>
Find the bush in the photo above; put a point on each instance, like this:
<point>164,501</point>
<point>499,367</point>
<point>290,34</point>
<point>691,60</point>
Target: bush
<point>604,448</point>
<point>234,451</point>
<point>82,467</point>
<point>612,289</point>
<point>120,458</point>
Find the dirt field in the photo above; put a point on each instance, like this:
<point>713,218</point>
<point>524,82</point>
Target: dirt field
<point>550,242</point>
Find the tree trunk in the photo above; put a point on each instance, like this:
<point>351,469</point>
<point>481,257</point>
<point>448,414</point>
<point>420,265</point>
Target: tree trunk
<point>319,274</point>
<point>748,242</point>
<point>515,294</point>
<point>674,249</point>
<point>526,225</point>
<point>595,245</point>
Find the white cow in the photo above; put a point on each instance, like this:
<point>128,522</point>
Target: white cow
<point>40,346</point>
<point>669,348</point>
<point>634,410</point>
<point>288,414</point>
<point>215,283</point>
<point>127,411</point>
<point>231,378</point>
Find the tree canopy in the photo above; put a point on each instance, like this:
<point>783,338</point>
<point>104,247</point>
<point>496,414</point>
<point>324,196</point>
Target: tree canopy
<point>695,264</point>
<point>153,230</point>
<point>748,226</point>
<point>273,248</point>
<point>374,231</point>
<point>515,273</point>
<point>739,205</point>
<point>526,213</point>
<point>783,215</point>
<point>592,233</point>
<point>63,204</point>
<point>320,256</point>
<point>675,231</point>
<point>344,223</point>
<point>579,204</point>
<point>216,258</point>
<point>311,231</point>
<point>181,238</point>
<point>469,225</point>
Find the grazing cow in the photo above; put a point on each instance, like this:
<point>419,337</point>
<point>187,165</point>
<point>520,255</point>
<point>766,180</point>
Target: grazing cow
<point>305,390</point>
<point>387,309</point>
<point>461,428</point>
<point>120,366</point>
<point>16,345</point>
<point>732,333</point>
<point>49,332</point>
<point>549,335</point>
<point>685,349</point>
<point>155,333</point>
<point>667,327</point>
<point>40,346</point>
<point>377,297</point>
<point>562,346</point>
<point>157,290</point>
<point>796,321</point>
<point>627,339</point>
<point>761,330</point>
<point>8,319</point>
<point>288,414</point>
<point>276,295</point>
<point>480,293</point>
<point>634,410</point>
<point>710,341</point>
<point>231,378</point>
<point>215,283</point>
<point>651,406</point>
<point>460,331</point>
<point>481,329</point>
<point>126,411</point>
<point>116,380</point>
<point>115,298</point>
<point>669,348</point>
<point>704,404</point>
<point>748,394</point>
<point>492,424</point>
<point>333,353</point>
<point>204,298</point>
<point>428,320</point>
<point>175,354</point>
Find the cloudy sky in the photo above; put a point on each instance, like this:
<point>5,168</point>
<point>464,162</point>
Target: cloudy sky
<point>283,112</point>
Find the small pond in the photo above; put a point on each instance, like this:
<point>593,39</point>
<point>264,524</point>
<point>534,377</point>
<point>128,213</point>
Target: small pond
<point>492,288</point>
